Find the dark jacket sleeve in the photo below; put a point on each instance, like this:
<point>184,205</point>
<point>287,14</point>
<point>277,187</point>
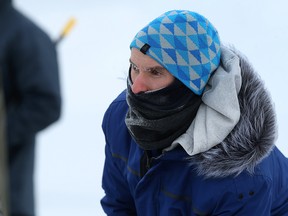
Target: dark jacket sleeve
<point>35,101</point>
<point>118,199</point>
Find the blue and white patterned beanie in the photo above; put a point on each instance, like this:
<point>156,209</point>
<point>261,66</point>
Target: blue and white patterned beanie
<point>183,42</point>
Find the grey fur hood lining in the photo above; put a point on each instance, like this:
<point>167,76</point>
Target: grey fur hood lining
<point>253,137</point>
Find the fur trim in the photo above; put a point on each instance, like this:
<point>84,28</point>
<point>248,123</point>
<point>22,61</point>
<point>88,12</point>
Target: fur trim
<point>253,137</point>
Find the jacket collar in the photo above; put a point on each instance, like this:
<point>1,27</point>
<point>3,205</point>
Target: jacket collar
<point>250,139</point>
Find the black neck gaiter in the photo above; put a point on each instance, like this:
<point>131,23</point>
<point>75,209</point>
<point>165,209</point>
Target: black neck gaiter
<point>155,119</point>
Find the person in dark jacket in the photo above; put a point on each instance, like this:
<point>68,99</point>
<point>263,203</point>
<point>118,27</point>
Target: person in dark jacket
<point>194,132</point>
<point>28,60</point>
<point>3,160</point>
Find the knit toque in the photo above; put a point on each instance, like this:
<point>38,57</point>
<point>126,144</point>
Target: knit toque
<point>183,42</point>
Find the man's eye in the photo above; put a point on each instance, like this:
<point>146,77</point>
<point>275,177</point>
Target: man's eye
<point>134,67</point>
<point>155,72</point>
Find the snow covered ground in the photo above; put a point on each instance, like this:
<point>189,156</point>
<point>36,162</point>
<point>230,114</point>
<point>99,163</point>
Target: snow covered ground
<point>94,62</point>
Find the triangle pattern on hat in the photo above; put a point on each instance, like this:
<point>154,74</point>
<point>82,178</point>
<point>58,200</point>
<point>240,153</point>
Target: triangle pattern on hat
<point>190,43</point>
<point>180,19</point>
<point>183,73</point>
<point>206,69</point>
<point>180,42</point>
<point>172,54</point>
<point>152,30</point>
<point>203,83</point>
<point>182,26</point>
<point>209,40</point>
<point>195,40</point>
<point>178,31</point>
<point>212,54</point>
<point>192,60</point>
<point>197,83</point>
<point>198,70</point>
<point>166,57</point>
<point>194,25</point>
<point>202,38</point>
<point>174,12</point>
<point>170,27</point>
<point>170,40</point>
<point>190,30</point>
<point>205,57</point>
<point>190,18</point>
<point>166,31</point>
<point>141,33</point>
<point>212,47</point>
<point>172,16</point>
<point>165,44</point>
<point>184,55</point>
<point>138,43</point>
<point>154,40</point>
<point>157,54</point>
<point>167,20</point>
<point>142,38</point>
<point>182,58</point>
<point>202,28</point>
<point>173,69</point>
<point>195,88</point>
<point>216,60</point>
<point>196,54</point>
<point>200,18</point>
<point>193,74</point>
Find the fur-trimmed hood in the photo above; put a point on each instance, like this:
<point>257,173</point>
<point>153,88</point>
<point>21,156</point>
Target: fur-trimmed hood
<point>253,137</point>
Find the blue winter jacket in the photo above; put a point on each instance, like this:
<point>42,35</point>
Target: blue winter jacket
<point>173,183</point>
<point>29,68</point>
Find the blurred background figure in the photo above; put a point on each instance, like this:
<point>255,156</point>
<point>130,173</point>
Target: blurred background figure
<point>3,162</point>
<point>29,70</point>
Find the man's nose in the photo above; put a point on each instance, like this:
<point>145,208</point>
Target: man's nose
<point>140,83</point>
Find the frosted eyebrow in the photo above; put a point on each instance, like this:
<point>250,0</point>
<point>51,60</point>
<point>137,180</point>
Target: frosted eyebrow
<point>148,68</point>
<point>132,63</point>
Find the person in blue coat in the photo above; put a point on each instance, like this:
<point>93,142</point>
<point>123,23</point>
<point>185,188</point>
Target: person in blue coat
<point>194,132</point>
<point>29,69</point>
